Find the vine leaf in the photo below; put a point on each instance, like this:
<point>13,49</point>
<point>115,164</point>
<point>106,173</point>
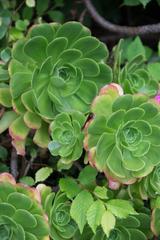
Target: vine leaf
<point>69,186</point>
<point>79,208</point>
<point>94,214</point>
<point>120,208</point>
<point>108,222</point>
<point>43,173</point>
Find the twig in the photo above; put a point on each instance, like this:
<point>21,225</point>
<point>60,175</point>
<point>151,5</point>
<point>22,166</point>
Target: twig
<point>19,7</point>
<point>81,18</point>
<point>29,165</point>
<point>125,30</point>
<point>14,163</point>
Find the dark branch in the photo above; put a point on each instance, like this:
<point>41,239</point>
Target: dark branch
<point>125,30</point>
<point>14,163</point>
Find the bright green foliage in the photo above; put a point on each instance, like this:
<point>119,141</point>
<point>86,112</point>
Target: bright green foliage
<point>67,135</point>
<point>21,215</point>
<point>80,214</point>
<point>101,214</point>
<point>42,174</point>
<point>133,75</point>
<point>58,63</point>
<point>5,20</point>
<point>155,224</point>
<point>80,207</point>
<point>148,187</point>
<point>133,227</point>
<point>57,208</point>
<point>56,68</point>
<point>122,139</point>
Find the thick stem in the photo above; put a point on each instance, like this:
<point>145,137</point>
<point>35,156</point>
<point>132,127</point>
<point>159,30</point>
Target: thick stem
<point>125,30</point>
<point>14,163</point>
<point>28,166</point>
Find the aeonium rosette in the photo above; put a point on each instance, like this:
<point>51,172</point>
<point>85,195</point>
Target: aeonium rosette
<point>56,68</point>
<point>57,206</point>
<point>148,187</point>
<point>67,135</point>
<point>122,138</point>
<point>21,213</point>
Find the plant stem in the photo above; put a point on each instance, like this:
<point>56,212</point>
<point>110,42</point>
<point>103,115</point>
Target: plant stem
<point>14,163</point>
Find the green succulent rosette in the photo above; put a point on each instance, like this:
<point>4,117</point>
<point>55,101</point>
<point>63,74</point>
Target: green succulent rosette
<point>21,214</point>
<point>149,186</point>
<point>56,68</point>
<point>122,139</point>
<point>57,206</point>
<point>133,75</point>
<point>67,135</point>
<point>5,17</point>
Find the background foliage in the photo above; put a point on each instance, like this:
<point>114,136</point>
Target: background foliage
<point>78,200</point>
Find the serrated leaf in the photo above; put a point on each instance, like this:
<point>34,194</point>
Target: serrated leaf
<point>135,48</point>
<point>108,222</point>
<point>94,214</point>
<point>101,192</point>
<point>79,208</point>
<point>42,174</point>
<point>120,208</point>
<point>87,176</point>
<point>69,186</point>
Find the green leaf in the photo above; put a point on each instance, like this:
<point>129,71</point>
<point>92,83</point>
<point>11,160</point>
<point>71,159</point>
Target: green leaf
<point>94,214</point>
<point>69,186</point>
<point>30,3</point>
<point>41,6</point>
<point>120,208</point>
<point>6,120</point>
<point>79,208</point>
<point>131,2</point>
<point>42,174</point>
<point>108,222</point>
<point>145,2</point>
<point>153,69</point>
<point>22,25</point>
<point>87,176</point>
<point>6,54</point>
<point>101,192</point>
<point>56,16</point>
<point>135,48</point>
<point>27,180</point>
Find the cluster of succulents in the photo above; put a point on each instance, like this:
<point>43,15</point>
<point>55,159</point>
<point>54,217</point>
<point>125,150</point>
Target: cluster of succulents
<point>66,131</point>
<point>50,71</point>
<point>21,214</point>
<point>60,90</point>
<point>122,139</point>
<point>134,75</point>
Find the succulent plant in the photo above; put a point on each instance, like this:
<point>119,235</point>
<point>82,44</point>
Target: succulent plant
<point>122,139</point>
<point>5,18</point>
<point>67,136</point>
<point>21,214</point>
<point>57,207</point>
<point>149,186</point>
<point>133,75</point>
<point>56,68</point>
